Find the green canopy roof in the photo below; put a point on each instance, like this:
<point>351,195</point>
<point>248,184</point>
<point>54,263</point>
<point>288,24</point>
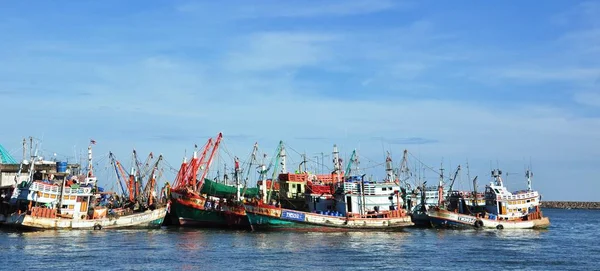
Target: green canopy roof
<point>223,190</point>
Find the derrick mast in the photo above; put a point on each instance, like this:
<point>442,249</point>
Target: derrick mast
<point>528,175</point>
<point>263,178</point>
<point>389,169</point>
<point>441,188</point>
<point>90,168</point>
<point>237,177</point>
<point>337,163</point>
<point>282,157</point>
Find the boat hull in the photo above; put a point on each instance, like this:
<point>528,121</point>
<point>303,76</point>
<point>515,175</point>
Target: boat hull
<point>446,219</point>
<point>421,219</point>
<point>192,215</point>
<point>269,217</point>
<point>147,219</point>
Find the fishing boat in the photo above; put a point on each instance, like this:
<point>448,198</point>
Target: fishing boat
<point>202,202</point>
<point>502,209</point>
<point>430,197</point>
<point>333,202</point>
<point>62,201</point>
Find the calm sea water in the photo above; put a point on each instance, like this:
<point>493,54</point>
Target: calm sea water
<point>571,243</point>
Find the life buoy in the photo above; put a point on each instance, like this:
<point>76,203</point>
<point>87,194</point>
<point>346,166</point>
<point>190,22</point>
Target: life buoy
<point>478,224</point>
<point>499,227</point>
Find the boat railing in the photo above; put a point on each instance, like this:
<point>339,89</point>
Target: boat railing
<point>368,189</point>
<point>519,196</point>
<point>381,214</point>
<point>46,188</point>
<point>79,190</point>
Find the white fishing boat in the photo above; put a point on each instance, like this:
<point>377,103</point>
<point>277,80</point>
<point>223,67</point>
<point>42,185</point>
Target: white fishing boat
<point>502,210</point>
<point>62,201</point>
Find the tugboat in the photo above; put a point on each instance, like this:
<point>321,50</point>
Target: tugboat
<point>332,202</point>
<point>502,209</point>
<point>63,201</point>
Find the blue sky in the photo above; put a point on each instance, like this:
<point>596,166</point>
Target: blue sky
<point>449,81</point>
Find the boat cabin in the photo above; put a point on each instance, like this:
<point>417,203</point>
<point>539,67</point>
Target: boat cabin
<point>354,197</point>
<point>509,205</point>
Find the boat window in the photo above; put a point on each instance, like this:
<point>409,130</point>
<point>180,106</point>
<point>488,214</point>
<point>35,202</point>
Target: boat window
<point>497,192</point>
<point>383,189</point>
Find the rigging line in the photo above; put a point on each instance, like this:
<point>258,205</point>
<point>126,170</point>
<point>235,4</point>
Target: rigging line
<point>423,164</point>
<point>224,147</point>
<point>374,166</point>
<point>289,147</point>
<point>169,166</point>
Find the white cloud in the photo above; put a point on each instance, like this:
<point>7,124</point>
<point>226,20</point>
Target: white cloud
<point>270,51</point>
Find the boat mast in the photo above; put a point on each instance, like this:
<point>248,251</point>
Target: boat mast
<point>475,191</point>
<point>282,157</point>
<point>90,173</point>
<point>528,174</point>
<point>31,146</point>
<point>496,174</point>
<point>252,161</point>
<point>237,178</point>
<point>303,163</point>
<point>336,163</point>
<point>363,205</point>
<point>356,162</point>
<point>389,169</point>
<point>441,186</point>
<point>215,147</point>
<point>278,161</point>
<point>32,167</point>
<point>90,168</point>
<point>24,148</point>
<point>262,177</point>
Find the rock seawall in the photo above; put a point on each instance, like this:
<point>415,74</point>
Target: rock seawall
<point>571,204</point>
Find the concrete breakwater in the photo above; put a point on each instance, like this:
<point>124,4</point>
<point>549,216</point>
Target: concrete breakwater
<point>571,204</point>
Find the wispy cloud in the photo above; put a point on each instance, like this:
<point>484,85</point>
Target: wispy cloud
<point>300,9</point>
<point>271,51</point>
<point>544,74</point>
<point>588,98</point>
